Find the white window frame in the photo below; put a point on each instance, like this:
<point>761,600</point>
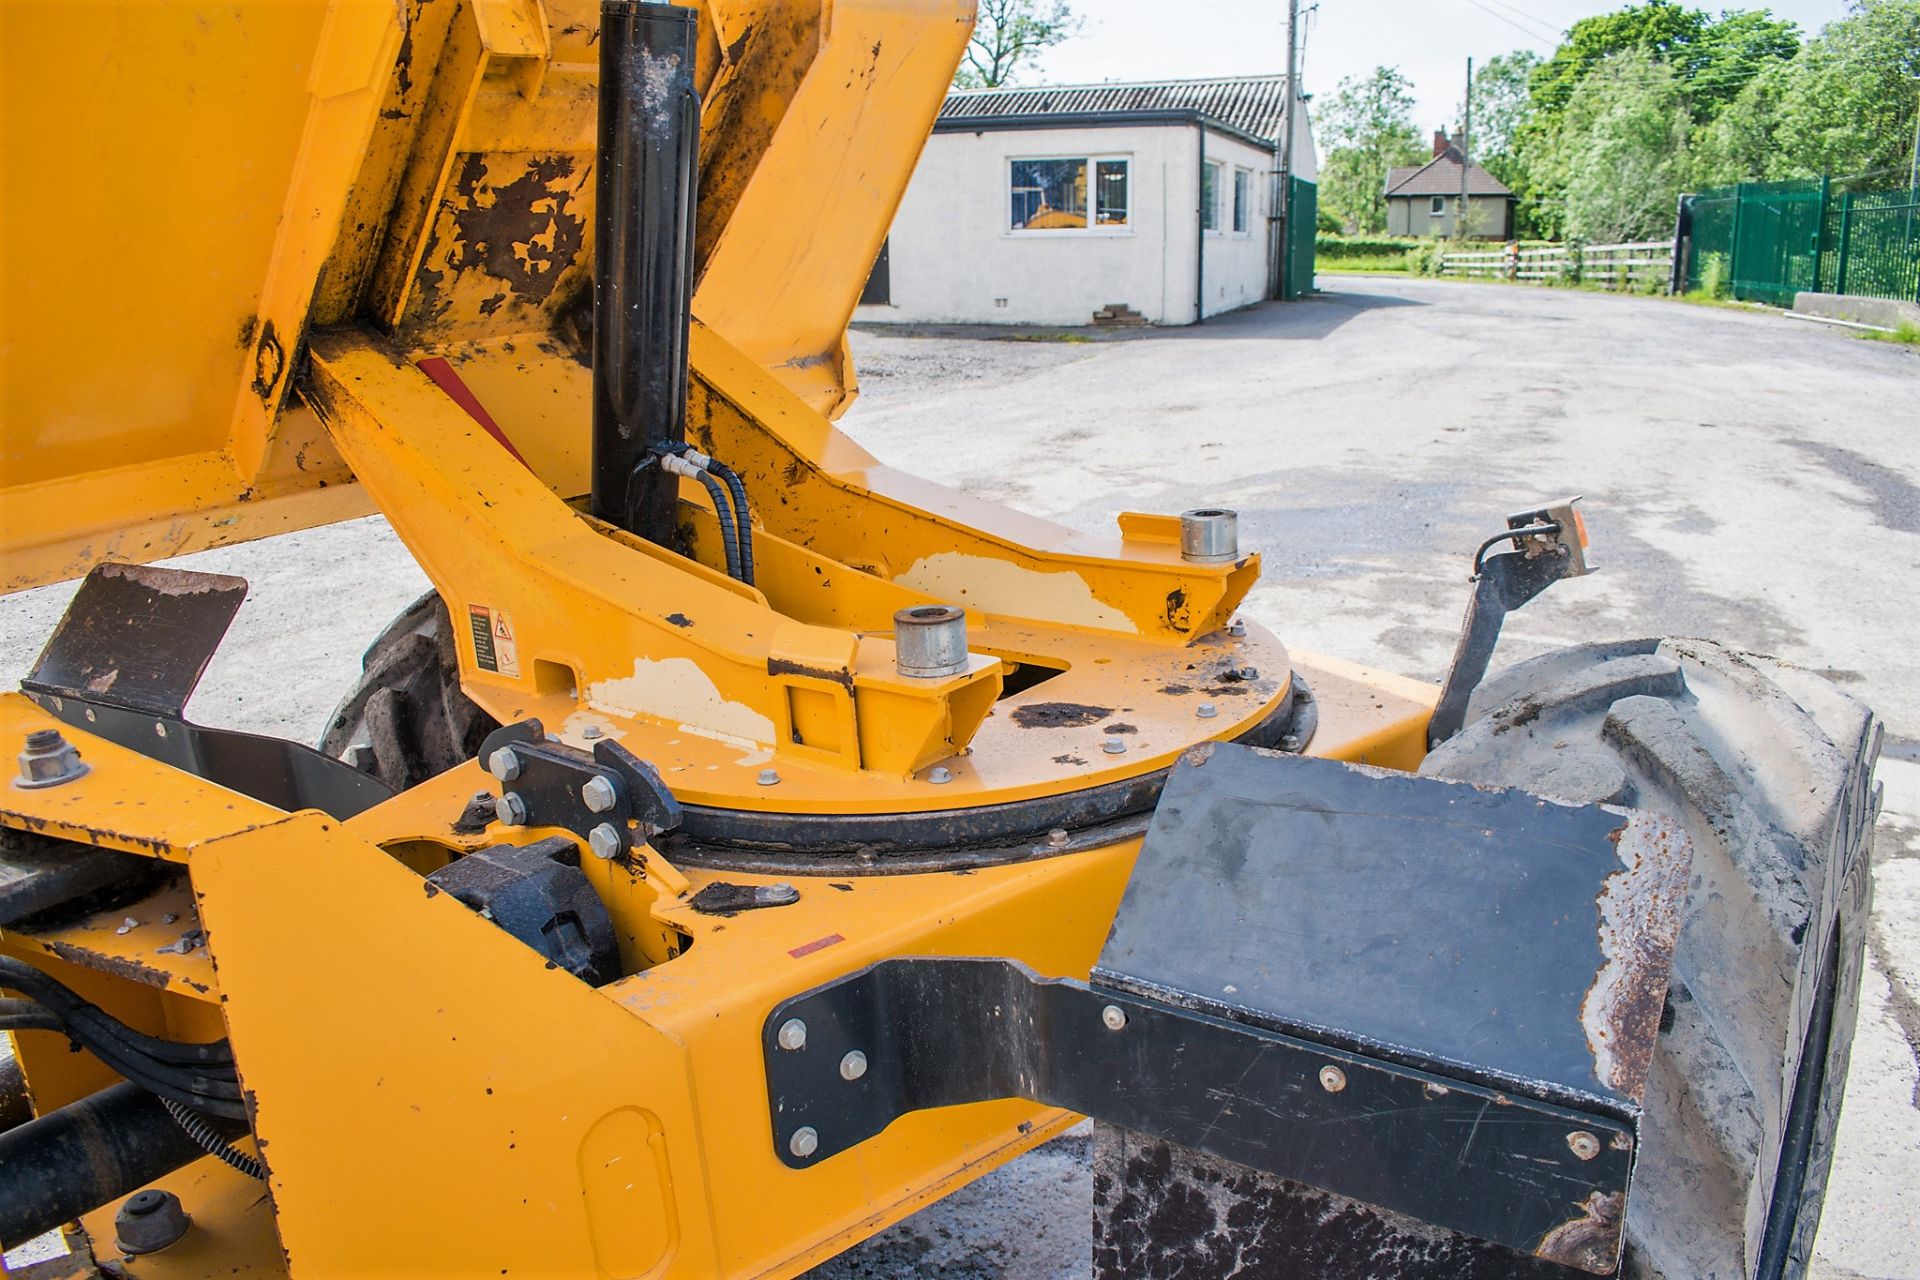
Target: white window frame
<point>1220,170</point>
<point>1092,159</point>
<point>1438,207</point>
<point>1242,180</point>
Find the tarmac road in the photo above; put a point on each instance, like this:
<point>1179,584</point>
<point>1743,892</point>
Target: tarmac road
<point>1749,478</point>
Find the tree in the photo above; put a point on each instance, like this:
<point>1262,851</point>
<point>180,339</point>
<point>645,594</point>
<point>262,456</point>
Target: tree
<point>1713,58</point>
<point>1623,161</point>
<point>1502,106</point>
<point>1009,34</point>
<point>1367,128</point>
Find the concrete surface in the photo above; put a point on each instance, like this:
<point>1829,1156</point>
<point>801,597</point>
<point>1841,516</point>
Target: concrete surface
<point>1746,478</point>
<point>1884,313</point>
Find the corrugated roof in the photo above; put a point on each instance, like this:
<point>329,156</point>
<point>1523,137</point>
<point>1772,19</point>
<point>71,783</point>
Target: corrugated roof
<point>1251,104</point>
<point>1440,176</point>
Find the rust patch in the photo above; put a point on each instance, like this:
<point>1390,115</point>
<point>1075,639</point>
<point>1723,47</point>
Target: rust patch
<point>524,232</point>
<point>782,667</point>
<point>1639,910</point>
<point>1118,726</point>
<point>116,966</point>
<point>1179,615</point>
<point>679,619</point>
<point>1590,1242</point>
<point>1059,715</point>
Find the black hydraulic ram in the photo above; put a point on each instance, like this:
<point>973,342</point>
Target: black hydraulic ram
<point>643,257</point>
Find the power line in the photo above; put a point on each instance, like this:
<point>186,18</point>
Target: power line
<point>1530,34</point>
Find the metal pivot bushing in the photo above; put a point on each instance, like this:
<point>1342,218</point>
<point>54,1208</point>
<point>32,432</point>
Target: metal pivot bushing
<point>1209,536</point>
<point>931,640</point>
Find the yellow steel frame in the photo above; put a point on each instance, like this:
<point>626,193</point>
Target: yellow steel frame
<point>427,1092</point>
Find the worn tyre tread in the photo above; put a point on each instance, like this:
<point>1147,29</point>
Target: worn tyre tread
<point>1769,770</point>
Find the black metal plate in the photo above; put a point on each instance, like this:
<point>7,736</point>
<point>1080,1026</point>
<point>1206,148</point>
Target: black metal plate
<point>1488,933</point>
<point>937,1032</point>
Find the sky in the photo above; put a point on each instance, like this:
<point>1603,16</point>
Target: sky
<point>1429,40</point>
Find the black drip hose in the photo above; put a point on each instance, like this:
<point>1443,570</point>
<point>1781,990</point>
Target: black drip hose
<point>742,516</point>
<point>723,511</point>
<point>209,1140</point>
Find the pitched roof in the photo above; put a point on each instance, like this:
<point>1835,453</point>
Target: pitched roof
<point>1254,105</point>
<point>1440,176</point>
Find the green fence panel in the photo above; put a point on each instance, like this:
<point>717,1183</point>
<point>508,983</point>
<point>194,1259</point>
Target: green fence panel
<point>1768,241</point>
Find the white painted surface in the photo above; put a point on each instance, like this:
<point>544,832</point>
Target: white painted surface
<point>955,259</point>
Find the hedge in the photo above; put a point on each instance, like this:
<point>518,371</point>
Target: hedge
<point>1365,246</point>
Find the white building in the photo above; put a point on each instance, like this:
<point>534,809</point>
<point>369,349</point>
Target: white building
<point>1057,206</point>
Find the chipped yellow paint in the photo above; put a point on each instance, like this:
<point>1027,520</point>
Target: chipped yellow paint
<point>999,586</point>
<point>677,690</point>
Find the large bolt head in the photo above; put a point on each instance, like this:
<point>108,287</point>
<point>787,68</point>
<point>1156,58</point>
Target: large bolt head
<point>854,1065</point>
<point>792,1035</point>
<point>805,1142</point>
<point>511,809</point>
<point>504,764</point>
<point>604,842</point>
<point>597,794</point>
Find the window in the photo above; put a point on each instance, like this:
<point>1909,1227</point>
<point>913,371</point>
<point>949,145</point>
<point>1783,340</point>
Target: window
<point>1210,195</point>
<point>1052,195</point>
<point>1242,193</point>
<point>1439,206</point>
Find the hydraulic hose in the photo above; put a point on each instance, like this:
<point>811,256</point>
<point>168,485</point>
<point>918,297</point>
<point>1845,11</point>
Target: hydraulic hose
<point>742,515</point>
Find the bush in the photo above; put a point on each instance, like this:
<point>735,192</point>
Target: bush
<point>1328,223</point>
<point>1715,281</point>
<point>1330,246</point>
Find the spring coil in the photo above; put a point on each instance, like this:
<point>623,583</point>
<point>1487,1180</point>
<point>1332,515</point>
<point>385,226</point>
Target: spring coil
<point>212,1143</point>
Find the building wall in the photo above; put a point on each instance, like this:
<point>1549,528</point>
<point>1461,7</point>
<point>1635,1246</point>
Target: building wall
<point>954,259</point>
<point>1410,216</point>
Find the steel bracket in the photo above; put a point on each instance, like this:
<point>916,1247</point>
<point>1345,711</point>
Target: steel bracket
<point>551,780</point>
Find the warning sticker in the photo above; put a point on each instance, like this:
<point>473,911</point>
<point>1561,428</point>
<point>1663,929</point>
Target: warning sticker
<point>493,645</point>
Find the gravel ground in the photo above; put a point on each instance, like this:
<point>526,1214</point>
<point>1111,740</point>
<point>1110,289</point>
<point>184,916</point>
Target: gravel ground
<point>1747,477</point>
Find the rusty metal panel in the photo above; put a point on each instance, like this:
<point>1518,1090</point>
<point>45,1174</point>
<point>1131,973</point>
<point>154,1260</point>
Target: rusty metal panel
<point>1521,941</point>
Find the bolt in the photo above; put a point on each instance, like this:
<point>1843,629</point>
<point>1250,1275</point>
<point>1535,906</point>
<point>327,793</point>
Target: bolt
<point>504,764</point>
<point>1236,628</point>
<point>591,732</point>
<point>939,775</point>
<point>1290,742</point>
<point>1206,711</point>
<point>805,1142</point>
<point>1249,673</point>
<point>1113,746</point>
<point>597,793</point>
<point>511,809</point>
<point>854,1065</point>
<point>1057,837</point>
<point>768,777</point>
<point>1115,1017</point>
<point>1332,1079</point>
<point>1583,1144</point>
<point>149,1221</point>
<point>793,1035</point>
<point>160,728</point>
<point>603,842</point>
<point>48,761</point>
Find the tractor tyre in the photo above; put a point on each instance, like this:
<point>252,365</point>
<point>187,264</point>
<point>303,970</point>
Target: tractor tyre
<point>407,720</point>
<point>1770,771</point>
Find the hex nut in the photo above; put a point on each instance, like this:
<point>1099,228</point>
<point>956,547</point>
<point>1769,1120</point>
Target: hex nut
<point>48,761</point>
<point>598,795</point>
<point>805,1141</point>
<point>511,809</point>
<point>1114,746</point>
<point>1114,1017</point>
<point>1058,837</point>
<point>939,775</point>
<point>591,732</point>
<point>1332,1079</point>
<point>793,1035</point>
<point>768,777</point>
<point>1206,711</point>
<point>604,842</point>
<point>854,1065</point>
<point>1583,1144</point>
<point>149,1221</point>
<point>504,764</point>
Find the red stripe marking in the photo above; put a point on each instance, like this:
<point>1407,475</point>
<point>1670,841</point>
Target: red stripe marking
<point>818,944</point>
<point>437,368</point>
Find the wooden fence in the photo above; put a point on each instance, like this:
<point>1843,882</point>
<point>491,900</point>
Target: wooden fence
<point>1639,265</point>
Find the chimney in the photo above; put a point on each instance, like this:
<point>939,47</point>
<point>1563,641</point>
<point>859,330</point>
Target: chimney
<point>1440,142</point>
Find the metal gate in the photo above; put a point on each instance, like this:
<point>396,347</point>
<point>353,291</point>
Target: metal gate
<point>1767,241</point>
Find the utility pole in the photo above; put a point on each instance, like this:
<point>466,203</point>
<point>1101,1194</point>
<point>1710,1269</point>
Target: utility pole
<point>1280,249</point>
<point>1466,163</point>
